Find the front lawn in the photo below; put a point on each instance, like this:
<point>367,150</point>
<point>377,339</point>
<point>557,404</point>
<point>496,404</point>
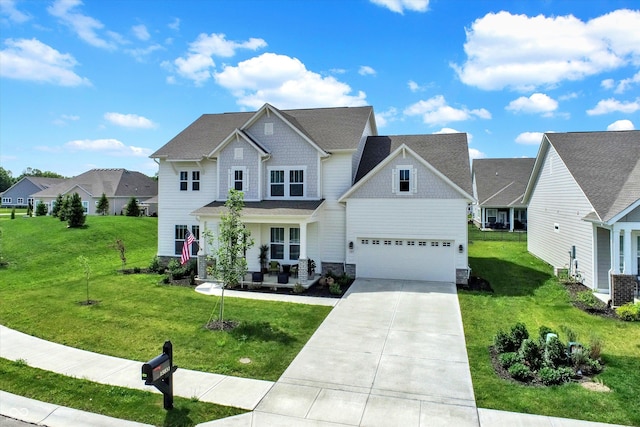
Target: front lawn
<point>526,291</point>
<point>43,287</point>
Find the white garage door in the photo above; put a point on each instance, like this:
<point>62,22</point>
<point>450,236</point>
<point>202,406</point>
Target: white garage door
<point>431,260</point>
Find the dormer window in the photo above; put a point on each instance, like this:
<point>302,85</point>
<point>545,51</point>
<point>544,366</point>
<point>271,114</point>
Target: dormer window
<point>404,180</point>
<point>238,178</point>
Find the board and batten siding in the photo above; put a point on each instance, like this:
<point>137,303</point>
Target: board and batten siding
<point>175,206</point>
<point>427,219</point>
<point>556,208</point>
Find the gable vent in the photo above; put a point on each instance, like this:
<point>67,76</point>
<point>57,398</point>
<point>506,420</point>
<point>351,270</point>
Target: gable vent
<point>268,128</point>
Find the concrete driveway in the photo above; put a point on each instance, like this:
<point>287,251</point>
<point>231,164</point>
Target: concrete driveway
<point>390,353</point>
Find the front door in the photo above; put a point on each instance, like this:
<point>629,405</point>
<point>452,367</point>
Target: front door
<point>502,217</point>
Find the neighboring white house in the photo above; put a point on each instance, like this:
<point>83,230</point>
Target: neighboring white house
<point>584,208</point>
<point>118,185</point>
<point>498,187</point>
<point>320,184</point>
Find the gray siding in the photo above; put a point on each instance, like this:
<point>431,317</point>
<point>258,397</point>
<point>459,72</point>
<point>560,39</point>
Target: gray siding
<point>557,200</point>
<point>633,216</point>
<point>250,161</point>
<point>603,257</point>
<point>287,148</point>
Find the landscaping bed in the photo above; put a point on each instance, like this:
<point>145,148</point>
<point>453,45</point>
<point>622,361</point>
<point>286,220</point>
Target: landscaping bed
<point>582,297</point>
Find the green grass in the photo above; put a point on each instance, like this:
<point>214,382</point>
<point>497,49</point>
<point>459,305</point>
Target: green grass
<point>43,286</point>
<point>526,291</point>
<point>19,211</point>
<point>475,234</point>
<point>118,402</point>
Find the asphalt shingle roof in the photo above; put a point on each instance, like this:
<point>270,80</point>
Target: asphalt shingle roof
<point>111,182</point>
<point>265,208</point>
<point>606,166</point>
<point>502,182</point>
<point>448,153</point>
<point>330,128</point>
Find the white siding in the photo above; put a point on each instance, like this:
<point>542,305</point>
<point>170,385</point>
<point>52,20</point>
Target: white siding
<point>175,206</point>
<point>558,200</point>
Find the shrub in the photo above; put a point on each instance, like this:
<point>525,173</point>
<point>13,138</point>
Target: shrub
<point>629,312</point>
<point>531,354</point>
<point>595,347</point>
<point>132,208</point>
<point>335,288</point>
<point>503,342</point>
<point>588,298</point>
<point>13,213</point>
<point>520,372</point>
<point>570,334</point>
<point>592,367</point>
<point>344,279</point>
<point>543,331</point>
<point>519,333</point>
<point>41,209</point>
<point>549,376</point>
<point>555,353</point>
<point>166,279</point>
<point>155,266</point>
<point>579,358</point>
<point>75,213</point>
<point>509,359</point>
<point>298,288</point>
<point>136,270</point>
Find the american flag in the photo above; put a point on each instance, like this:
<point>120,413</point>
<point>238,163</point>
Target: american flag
<point>188,240</point>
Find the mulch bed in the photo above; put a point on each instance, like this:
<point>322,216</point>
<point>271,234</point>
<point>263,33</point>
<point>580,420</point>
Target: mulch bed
<point>313,291</point>
<point>601,309</point>
<point>476,284</point>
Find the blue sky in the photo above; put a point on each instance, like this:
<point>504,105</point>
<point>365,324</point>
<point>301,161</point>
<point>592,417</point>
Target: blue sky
<point>86,84</point>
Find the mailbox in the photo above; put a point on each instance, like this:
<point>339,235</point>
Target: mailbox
<point>158,372</point>
<point>156,369</point>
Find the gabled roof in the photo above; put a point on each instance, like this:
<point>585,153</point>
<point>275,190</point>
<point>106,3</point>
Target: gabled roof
<point>447,153</point>
<point>39,181</point>
<point>606,166</point>
<point>111,182</point>
<point>330,129</point>
<point>501,182</point>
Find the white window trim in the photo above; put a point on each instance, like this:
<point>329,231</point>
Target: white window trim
<point>6,200</point>
<point>413,180</point>
<point>85,206</point>
<point>232,178</point>
<point>287,182</point>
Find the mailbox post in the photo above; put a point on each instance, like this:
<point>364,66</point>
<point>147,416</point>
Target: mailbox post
<point>158,372</point>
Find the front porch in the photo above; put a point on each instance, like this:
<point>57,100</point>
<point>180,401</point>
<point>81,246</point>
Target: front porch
<point>507,218</point>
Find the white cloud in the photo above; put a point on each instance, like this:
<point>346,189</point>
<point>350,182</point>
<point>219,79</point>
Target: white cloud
<point>613,105</point>
<point>286,83</point>
<point>140,54</point>
<point>529,138</point>
<point>141,32</point>
<point>608,83</point>
<point>399,6</point>
<point>198,64</point>
<point>436,111</point>
<point>175,24</point>
<point>33,60</point>
<point>129,120</point>
<point>523,53</point>
<point>621,125</point>
<point>536,103</point>
<point>111,147</point>
<point>474,153</point>
<point>64,119</point>
<point>84,26</point>
<point>413,86</point>
<point>451,130</point>
<point>383,118</point>
<point>8,8</point>
<point>626,84</point>
<point>568,96</point>
<point>366,70</point>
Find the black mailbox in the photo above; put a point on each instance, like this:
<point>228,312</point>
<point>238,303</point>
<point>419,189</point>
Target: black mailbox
<point>158,372</point>
<point>156,369</point>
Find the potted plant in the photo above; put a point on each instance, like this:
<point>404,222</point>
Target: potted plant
<point>311,267</point>
<point>263,257</point>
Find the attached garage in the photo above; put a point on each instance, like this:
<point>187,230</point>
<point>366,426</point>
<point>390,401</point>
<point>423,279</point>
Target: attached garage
<point>406,259</point>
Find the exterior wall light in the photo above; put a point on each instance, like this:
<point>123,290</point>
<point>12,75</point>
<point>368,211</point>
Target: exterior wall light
<point>460,248</point>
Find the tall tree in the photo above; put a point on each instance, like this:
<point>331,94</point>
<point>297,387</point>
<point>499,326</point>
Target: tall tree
<point>233,239</point>
<point>38,173</point>
<point>57,206</point>
<point>6,180</point>
<point>75,212</point>
<point>103,205</point>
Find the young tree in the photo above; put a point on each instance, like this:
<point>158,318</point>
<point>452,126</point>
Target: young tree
<point>75,212</point>
<point>30,209</point>
<point>86,269</point>
<point>119,246</point>
<point>41,209</point>
<point>233,239</point>
<point>103,205</point>
<point>132,208</point>
<point>57,206</point>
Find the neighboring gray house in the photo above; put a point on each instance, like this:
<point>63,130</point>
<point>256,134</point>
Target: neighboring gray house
<point>498,187</point>
<point>20,193</point>
<point>584,208</point>
<point>118,185</point>
<point>321,184</point>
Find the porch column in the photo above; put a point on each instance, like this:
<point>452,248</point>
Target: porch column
<point>626,236</point>
<point>303,271</point>
<point>483,216</point>
<point>511,218</point>
<point>202,253</point>
<point>615,250</point>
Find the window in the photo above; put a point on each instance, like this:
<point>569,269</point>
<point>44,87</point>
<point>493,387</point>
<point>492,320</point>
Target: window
<point>375,242</point>
<point>422,243</point>
<point>6,200</point>
<point>404,180</point>
<point>184,176</point>
<point>30,201</point>
<point>294,244</point>
<point>434,243</point>
<point>20,200</point>
<point>286,183</point>
<point>180,231</point>
<point>296,183</point>
<point>277,183</point>
<point>398,242</point>
<point>277,243</point>
<point>411,243</point>
<point>364,241</point>
<point>446,244</point>
<point>238,180</point>
<point>387,242</point>
<point>195,180</point>
<point>85,206</point>
<point>492,216</point>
